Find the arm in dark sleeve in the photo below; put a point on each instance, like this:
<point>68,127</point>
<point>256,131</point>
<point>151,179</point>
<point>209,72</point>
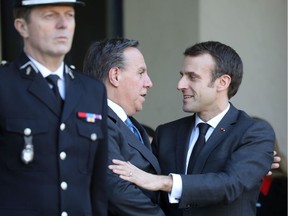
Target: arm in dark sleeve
<point>242,170</point>
<point>126,198</point>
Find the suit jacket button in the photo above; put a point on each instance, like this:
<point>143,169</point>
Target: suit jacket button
<point>64,213</point>
<point>62,127</point>
<point>62,155</point>
<point>64,185</point>
<point>93,136</point>
<point>27,131</point>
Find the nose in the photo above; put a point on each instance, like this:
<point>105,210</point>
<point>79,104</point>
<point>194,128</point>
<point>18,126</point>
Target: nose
<point>62,21</point>
<point>181,84</point>
<point>148,83</point>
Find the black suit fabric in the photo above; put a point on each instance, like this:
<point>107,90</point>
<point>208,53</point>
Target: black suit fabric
<point>227,174</point>
<point>67,173</point>
<point>125,198</point>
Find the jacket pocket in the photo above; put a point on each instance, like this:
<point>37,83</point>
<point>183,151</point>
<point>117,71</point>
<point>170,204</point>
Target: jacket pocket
<point>91,136</point>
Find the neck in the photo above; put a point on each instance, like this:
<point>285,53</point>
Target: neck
<point>208,114</point>
<point>50,62</point>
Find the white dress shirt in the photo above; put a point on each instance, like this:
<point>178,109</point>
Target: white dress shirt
<point>118,110</point>
<point>176,191</point>
<point>46,72</point>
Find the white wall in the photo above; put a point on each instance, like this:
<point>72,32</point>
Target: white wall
<point>256,29</point>
<point>164,29</point>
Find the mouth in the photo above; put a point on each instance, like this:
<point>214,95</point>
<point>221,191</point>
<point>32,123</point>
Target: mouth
<point>62,38</point>
<point>187,96</point>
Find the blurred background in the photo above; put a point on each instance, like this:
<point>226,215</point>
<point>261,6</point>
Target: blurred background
<point>256,29</point>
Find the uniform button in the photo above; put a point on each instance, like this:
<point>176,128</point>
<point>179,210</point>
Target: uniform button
<point>62,127</point>
<point>27,131</point>
<point>62,155</point>
<point>93,136</point>
<point>64,213</point>
<point>64,185</point>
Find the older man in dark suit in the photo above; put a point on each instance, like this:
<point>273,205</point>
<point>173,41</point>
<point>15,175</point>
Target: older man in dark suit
<point>53,130</point>
<point>121,66</point>
<point>217,171</point>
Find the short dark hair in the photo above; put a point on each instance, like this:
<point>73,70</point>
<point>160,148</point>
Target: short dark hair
<point>226,59</point>
<point>103,55</point>
<point>22,12</point>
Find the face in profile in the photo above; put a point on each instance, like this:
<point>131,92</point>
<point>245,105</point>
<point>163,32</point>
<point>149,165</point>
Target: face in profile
<point>199,94</point>
<point>134,81</point>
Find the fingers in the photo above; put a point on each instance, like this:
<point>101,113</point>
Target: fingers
<point>121,168</point>
<point>277,159</point>
<point>275,165</point>
<point>118,162</point>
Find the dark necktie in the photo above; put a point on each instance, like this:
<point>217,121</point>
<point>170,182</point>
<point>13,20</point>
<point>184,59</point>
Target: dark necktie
<point>53,80</point>
<point>134,130</point>
<point>203,127</point>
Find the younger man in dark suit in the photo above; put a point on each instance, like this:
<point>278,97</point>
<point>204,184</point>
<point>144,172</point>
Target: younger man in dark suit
<point>224,176</point>
<point>121,66</point>
<point>53,142</point>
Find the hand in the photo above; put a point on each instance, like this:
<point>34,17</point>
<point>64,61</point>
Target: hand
<point>275,164</point>
<point>148,181</point>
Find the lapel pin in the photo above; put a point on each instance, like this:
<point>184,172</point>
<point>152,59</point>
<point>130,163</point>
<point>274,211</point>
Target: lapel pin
<point>222,129</point>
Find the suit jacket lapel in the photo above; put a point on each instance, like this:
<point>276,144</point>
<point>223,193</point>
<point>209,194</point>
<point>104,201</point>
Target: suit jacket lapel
<point>74,91</point>
<point>38,86</point>
<point>142,133</point>
<point>219,134</point>
<point>134,142</point>
<point>183,138</point>
<point>41,90</point>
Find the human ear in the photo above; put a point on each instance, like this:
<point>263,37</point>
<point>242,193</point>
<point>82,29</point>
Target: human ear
<point>223,82</point>
<point>21,26</point>
<point>113,76</point>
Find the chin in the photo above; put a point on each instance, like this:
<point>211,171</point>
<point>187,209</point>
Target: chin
<point>187,109</point>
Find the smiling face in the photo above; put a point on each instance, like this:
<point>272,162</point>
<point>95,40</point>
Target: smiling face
<point>134,82</point>
<point>199,94</point>
<point>48,32</point>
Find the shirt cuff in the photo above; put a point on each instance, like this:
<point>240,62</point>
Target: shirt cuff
<point>176,191</point>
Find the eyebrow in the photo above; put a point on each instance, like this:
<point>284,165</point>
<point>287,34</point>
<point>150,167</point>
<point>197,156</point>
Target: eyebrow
<point>142,69</point>
<point>190,73</point>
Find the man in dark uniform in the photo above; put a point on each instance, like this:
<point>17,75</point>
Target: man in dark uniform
<point>53,131</point>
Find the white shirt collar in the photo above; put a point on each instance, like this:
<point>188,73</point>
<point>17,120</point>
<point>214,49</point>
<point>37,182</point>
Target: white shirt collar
<point>214,121</point>
<point>117,109</point>
<point>45,71</point>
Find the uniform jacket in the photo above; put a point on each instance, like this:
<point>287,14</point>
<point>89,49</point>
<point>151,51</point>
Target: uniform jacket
<point>126,199</point>
<point>227,175</point>
<point>70,151</point>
